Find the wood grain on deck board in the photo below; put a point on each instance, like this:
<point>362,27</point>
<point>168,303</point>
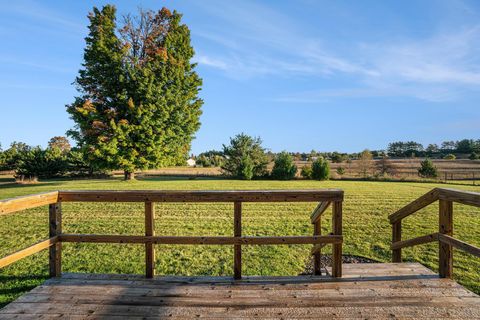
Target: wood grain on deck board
<point>404,290</point>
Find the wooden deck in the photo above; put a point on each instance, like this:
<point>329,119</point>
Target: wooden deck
<point>399,290</point>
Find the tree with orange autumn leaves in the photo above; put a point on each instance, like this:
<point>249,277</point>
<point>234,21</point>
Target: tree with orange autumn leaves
<point>138,106</point>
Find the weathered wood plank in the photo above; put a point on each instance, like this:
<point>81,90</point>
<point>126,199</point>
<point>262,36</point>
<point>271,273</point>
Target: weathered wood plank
<point>149,247</point>
<point>316,251</point>
<point>188,240</point>
<point>460,196</point>
<point>459,244</point>
<point>412,242</point>
<point>317,248</point>
<point>337,247</point>
<point>415,205</point>
<point>55,228</point>
<point>396,237</point>
<point>27,202</point>
<point>319,210</point>
<point>27,251</point>
<point>381,291</point>
<point>445,226</point>
<point>202,196</point>
<point>237,232</point>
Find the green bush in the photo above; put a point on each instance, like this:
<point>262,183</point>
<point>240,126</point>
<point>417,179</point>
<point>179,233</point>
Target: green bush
<point>306,172</point>
<point>427,169</point>
<point>245,157</point>
<point>11,156</point>
<point>338,157</point>
<point>321,169</point>
<point>38,163</point>
<point>474,156</point>
<point>340,171</point>
<point>450,156</point>
<point>211,158</point>
<point>80,166</point>
<point>284,168</point>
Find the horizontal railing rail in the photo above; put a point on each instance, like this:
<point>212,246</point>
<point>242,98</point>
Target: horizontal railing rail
<point>27,202</point>
<point>446,198</point>
<point>149,197</point>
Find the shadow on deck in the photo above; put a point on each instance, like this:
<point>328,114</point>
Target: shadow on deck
<point>387,290</point>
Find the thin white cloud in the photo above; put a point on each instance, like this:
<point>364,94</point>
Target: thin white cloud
<point>262,41</point>
<point>42,14</point>
<point>56,68</point>
<point>211,62</point>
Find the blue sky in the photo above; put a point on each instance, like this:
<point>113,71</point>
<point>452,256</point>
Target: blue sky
<point>302,75</point>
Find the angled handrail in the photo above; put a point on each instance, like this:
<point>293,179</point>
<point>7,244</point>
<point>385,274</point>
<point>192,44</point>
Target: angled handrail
<point>446,198</point>
<point>27,202</point>
<point>149,197</point>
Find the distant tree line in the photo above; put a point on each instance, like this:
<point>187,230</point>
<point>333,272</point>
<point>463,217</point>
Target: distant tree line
<point>245,158</point>
<point>58,159</point>
<point>445,149</point>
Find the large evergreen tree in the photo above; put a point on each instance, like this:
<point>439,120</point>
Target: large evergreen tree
<point>138,106</point>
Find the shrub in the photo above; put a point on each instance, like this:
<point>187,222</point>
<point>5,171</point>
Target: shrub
<point>337,157</point>
<point>211,158</point>
<point>246,168</point>
<point>11,156</point>
<point>320,169</point>
<point>306,172</point>
<point>365,162</point>
<point>450,156</point>
<point>38,163</point>
<point>80,166</point>
<point>385,167</point>
<point>284,168</point>
<point>427,169</point>
<point>340,171</point>
<point>474,156</point>
<point>245,157</point>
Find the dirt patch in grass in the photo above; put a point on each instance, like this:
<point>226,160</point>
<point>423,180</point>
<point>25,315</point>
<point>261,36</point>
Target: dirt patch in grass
<point>326,261</point>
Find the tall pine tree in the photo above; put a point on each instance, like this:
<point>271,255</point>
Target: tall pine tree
<point>139,105</point>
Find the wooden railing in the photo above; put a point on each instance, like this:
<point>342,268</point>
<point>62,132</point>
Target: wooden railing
<point>57,237</point>
<point>446,198</point>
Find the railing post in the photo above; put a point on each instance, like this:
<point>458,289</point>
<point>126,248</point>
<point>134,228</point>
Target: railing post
<point>337,247</point>
<point>149,247</point>
<point>445,226</point>
<point>317,231</point>
<point>237,232</point>
<point>397,236</point>
<point>55,251</point>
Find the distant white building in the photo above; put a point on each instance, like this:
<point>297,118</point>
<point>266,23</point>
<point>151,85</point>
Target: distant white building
<point>191,162</point>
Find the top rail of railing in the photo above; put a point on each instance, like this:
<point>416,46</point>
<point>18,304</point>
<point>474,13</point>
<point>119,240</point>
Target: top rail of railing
<point>41,199</point>
<point>459,196</point>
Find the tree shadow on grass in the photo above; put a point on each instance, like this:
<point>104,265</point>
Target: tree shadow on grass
<point>177,178</point>
<point>12,286</point>
<point>14,185</point>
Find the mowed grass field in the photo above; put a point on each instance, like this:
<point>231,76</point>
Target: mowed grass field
<point>367,231</point>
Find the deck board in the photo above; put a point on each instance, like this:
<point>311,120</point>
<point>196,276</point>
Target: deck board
<point>406,290</point>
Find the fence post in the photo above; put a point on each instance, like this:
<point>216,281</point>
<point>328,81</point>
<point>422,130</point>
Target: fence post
<point>397,236</point>
<point>317,231</point>
<point>55,251</point>
<point>149,247</point>
<point>237,232</point>
<point>337,247</point>
<point>445,226</point>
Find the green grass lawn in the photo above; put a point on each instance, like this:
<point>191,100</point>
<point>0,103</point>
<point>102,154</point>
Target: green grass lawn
<point>366,229</point>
